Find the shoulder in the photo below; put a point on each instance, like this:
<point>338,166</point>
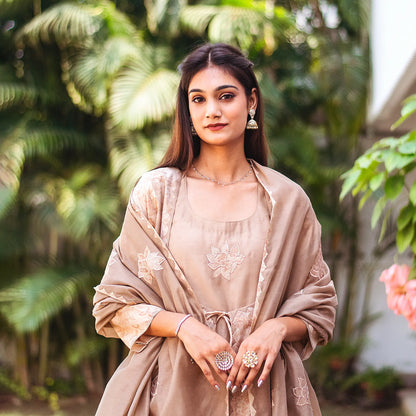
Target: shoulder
<point>281,187</point>
<point>152,185</point>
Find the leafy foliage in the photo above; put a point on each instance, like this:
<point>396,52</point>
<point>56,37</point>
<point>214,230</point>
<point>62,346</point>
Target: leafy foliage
<point>383,173</point>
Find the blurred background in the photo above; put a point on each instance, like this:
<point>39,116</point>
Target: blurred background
<point>87,97</point>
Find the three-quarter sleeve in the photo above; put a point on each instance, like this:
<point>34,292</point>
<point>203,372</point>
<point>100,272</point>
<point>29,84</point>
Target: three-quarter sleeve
<point>132,321</point>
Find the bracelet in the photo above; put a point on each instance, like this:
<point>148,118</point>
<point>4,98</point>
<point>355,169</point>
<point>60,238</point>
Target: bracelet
<point>181,322</point>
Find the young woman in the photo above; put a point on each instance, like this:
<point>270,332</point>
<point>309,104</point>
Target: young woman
<point>216,283</point>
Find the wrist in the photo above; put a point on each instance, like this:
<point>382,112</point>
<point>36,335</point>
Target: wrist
<point>180,323</point>
<point>281,328</point>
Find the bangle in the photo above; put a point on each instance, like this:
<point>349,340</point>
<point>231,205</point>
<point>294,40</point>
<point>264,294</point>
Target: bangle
<point>181,322</point>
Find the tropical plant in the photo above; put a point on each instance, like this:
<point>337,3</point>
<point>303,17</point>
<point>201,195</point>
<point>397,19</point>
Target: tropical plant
<point>87,94</point>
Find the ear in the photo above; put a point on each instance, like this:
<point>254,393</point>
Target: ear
<point>252,99</point>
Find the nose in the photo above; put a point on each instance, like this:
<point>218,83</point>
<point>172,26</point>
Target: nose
<point>212,109</point>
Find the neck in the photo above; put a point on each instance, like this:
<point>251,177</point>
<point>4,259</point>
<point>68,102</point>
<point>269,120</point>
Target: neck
<point>222,165</point>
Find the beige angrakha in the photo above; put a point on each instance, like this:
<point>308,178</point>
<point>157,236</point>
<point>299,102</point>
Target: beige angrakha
<point>285,276</point>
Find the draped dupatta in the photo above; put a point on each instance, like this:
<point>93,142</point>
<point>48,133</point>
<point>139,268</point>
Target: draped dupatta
<point>293,281</point>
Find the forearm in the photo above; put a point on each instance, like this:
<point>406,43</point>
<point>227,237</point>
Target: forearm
<point>164,324</point>
<point>292,329</point>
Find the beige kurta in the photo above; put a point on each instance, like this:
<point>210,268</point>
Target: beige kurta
<point>292,280</point>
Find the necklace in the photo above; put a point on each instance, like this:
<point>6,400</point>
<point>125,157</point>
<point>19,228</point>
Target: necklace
<point>218,182</point>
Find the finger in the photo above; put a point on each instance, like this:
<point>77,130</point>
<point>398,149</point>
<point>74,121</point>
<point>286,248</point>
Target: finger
<point>250,377</point>
<point>222,374</point>
<point>241,375</point>
<point>268,364</point>
<point>233,372</point>
<point>206,370</point>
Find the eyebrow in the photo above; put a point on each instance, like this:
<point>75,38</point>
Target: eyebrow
<point>219,88</point>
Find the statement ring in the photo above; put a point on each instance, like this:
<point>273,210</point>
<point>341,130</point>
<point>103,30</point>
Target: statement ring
<point>224,360</point>
<point>250,359</point>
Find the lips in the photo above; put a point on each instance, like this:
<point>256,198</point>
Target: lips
<point>216,126</point>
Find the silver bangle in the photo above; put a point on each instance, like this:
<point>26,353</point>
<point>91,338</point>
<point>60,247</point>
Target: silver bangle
<point>181,322</point>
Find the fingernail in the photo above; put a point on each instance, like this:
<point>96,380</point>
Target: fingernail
<point>234,389</point>
<point>217,387</point>
<point>259,383</point>
<point>244,388</point>
<point>228,384</point>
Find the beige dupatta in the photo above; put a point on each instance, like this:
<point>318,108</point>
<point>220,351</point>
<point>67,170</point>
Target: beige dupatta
<point>293,281</point>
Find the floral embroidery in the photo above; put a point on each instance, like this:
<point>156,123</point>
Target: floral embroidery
<point>131,322</point>
<point>224,261</point>
<point>302,392</point>
<point>319,268</point>
<point>147,263</point>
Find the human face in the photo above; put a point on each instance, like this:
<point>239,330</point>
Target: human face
<point>219,106</point>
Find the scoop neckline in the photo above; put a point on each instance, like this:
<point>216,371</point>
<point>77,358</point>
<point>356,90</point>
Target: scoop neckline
<point>201,217</point>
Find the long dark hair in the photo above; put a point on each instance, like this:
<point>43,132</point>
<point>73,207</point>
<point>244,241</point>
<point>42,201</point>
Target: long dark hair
<point>184,147</point>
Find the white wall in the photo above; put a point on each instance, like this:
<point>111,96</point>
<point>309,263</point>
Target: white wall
<point>393,43</point>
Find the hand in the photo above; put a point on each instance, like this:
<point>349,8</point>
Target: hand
<point>266,342</point>
<point>203,344</point>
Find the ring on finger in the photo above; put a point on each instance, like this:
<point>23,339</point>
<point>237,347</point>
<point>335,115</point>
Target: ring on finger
<point>250,359</point>
<point>224,360</point>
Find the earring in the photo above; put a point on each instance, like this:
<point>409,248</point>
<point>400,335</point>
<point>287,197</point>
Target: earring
<point>193,131</point>
<point>252,124</point>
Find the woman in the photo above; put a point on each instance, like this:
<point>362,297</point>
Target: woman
<point>216,283</point>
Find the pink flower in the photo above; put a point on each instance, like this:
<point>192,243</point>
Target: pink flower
<point>395,277</point>
<point>401,292</point>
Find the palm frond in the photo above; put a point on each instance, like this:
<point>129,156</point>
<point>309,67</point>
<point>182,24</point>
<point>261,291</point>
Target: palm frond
<point>240,26</point>
<point>138,98</point>
<point>27,142</point>
<point>65,23</point>
<point>36,298</point>
<point>92,72</point>
<point>131,155</point>
<point>89,205</point>
<point>17,94</point>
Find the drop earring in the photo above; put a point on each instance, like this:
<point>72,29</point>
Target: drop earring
<point>252,124</point>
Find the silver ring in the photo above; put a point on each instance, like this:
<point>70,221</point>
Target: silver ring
<point>224,360</point>
<point>250,359</point>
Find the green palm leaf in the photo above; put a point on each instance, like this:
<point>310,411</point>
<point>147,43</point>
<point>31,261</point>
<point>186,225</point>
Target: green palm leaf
<point>132,155</point>
<point>138,97</point>
<point>16,94</point>
<point>36,298</point>
<point>64,23</point>
<point>240,26</point>
<point>25,142</point>
<point>89,205</point>
<point>91,74</point>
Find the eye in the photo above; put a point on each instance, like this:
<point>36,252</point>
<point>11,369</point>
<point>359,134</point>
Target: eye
<point>227,96</point>
<point>197,99</point>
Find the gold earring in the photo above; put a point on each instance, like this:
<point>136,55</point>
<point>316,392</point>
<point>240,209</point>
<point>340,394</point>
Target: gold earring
<point>252,124</point>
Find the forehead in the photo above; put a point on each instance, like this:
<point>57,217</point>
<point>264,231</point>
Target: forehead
<point>212,77</point>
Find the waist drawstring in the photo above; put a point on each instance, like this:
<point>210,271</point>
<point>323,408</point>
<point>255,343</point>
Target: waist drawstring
<point>221,315</point>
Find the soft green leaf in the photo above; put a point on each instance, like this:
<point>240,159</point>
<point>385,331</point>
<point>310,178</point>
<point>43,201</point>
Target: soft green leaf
<point>364,199</point>
<point>393,186</point>
<point>405,216</point>
<point>376,181</point>
<point>408,147</point>
<point>404,237</point>
<point>412,194</point>
<point>408,109</point>
<point>378,210</point>
<point>350,180</point>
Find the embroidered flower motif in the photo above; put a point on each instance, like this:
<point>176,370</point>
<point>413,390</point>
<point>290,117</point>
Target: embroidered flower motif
<point>147,263</point>
<point>301,392</point>
<point>225,260</point>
